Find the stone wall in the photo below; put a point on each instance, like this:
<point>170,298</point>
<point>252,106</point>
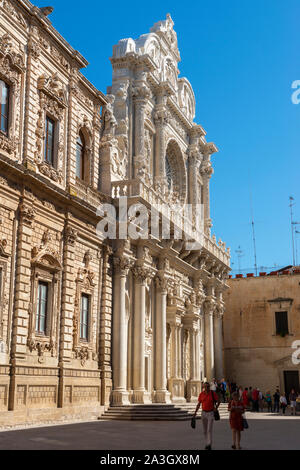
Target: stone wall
<point>254,354</point>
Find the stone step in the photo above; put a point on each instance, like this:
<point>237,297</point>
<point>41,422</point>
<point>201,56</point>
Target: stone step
<point>156,412</point>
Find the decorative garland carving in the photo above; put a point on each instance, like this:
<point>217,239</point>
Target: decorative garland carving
<point>84,283</point>
<point>41,347</point>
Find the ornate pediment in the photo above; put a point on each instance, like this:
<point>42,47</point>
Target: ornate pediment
<point>46,255</point>
<point>52,87</point>
<point>10,59</point>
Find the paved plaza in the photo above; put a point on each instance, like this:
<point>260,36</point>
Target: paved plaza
<point>266,432</point>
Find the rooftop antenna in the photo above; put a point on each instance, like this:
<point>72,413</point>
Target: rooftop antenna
<point>239,253</point>
<point>297,232</point>
<point>293,244</point>
<point>253,233</point>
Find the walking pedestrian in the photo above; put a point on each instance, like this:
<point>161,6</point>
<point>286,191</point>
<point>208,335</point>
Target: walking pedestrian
<point>260,400</point>
<point>245,398</point>
<point>276,397</point>
<point>255,395</point>
<point>236,409</point>
<point>251,405</point>
<point>223,390</point>
<point>227,393</point>
<point>209,401</point>
<point>240,392</point>
<point>213,385</point>
<point>293,403</point>
<point>283,402</point>
<point>268,399</point>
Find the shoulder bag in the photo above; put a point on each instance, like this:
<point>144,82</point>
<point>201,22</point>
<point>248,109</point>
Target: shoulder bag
<point>216,411</point>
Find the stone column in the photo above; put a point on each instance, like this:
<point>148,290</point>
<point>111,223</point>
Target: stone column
<point>197,355</point>
<point>141,94</point>
<point>139,392</point>
<point>179,350</point>
<point>218,343</point>
<point>119,353</point>
<point>161,119</point>
<point>209,306</point>
<point>193,384</point>
<point>67,324</point>
<point>161,394</point>
<point>22,307</point>
<point>206,172</point>
<point>174,364</point>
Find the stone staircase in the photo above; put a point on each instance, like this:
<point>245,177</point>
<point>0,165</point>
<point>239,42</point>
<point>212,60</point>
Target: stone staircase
<point>156,412</point>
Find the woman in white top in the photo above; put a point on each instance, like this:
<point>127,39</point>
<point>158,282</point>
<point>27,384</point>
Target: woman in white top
<point>283,402</point>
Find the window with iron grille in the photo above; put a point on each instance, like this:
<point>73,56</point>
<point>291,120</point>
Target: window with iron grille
<point>84,316</point>
<point>42,307</point>
<point>80,150</point>
<point>4,101</point>
<point>49,140</point>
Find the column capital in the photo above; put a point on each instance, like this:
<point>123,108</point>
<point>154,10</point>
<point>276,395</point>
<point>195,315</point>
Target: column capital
<point>141,93</point>
<point>206,169</point>
<point>142,273</point>
<point>123,264</point>
<point>70,235</point>
<point>161,116</point>
<point>27,213</point>
<point>163,281</point>
<point>209,305</point>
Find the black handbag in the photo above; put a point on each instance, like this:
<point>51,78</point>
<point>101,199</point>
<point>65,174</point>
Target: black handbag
<point>193,422</point>
<point>245,423</point>
<point>216,412</point>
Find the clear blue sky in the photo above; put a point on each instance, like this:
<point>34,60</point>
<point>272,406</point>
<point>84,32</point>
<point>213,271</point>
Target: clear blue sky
<point>241,58</point>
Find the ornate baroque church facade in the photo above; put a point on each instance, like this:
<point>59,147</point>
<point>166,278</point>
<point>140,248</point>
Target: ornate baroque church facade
<point>87,321</point>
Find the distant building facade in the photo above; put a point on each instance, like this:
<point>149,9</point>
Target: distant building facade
<point>262,330</point>
<point>86,321</point>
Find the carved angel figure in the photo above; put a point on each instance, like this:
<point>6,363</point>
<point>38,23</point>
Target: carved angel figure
<point>109,119</point>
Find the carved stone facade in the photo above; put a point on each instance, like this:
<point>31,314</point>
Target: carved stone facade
<point>48,229</point>
<point>168,307</point>
<point>153,325</point>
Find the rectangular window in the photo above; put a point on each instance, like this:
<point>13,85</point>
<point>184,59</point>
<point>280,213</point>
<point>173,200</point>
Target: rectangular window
<point>42,306</point>
<point>4,102</point>
<point>49,141</point>
<point>84,316</point>
<point>281,323</point>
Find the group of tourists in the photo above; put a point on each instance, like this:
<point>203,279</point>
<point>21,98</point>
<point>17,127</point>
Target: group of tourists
<point>239,400</point>
<point>254,399</point>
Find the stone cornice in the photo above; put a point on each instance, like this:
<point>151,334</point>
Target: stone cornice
<point>133,60</point>
<point>17,171</point>
<point>33,12</point>
<point>176,109</point>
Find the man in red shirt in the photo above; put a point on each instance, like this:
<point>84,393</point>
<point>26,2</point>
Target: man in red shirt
<point>255,395</point>
<point>210,401</point>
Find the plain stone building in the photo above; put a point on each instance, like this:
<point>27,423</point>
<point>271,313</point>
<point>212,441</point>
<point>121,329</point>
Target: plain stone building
<point>262,330</point>
<point>84,321</point>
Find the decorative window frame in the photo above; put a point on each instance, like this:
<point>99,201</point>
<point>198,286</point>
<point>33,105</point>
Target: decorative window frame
<point>281,305</point>
<point>12,69</point>
<point>53,103</point>
<point>84,349</point>
<point>46,267</point>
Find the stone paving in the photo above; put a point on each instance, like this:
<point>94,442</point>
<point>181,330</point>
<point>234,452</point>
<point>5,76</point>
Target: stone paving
<point>266,432</point>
